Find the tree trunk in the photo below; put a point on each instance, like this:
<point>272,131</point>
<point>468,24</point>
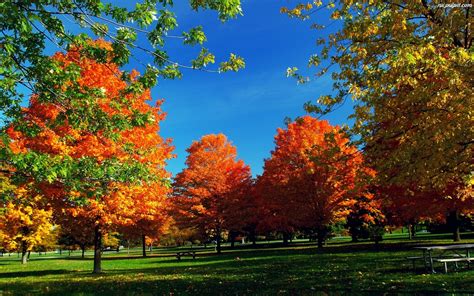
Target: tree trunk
<point>413,229</point>
<point>321,237</point>
<point>254,238</point>
<point>355,239</point>
<point>454,222</point>
<point>29,253</point>
<point>410,231</point>
<point>285,238</point>
<point>24,256</point>
<point>97,250</point>
<point>143,245</point>
<point>218,240</point>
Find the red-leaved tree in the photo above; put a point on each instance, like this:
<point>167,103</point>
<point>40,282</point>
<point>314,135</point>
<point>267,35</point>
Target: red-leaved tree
<point>309,182</point>
<point>211,182</point>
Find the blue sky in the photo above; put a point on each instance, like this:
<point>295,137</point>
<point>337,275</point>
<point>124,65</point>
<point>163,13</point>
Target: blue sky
<point>247,106</point>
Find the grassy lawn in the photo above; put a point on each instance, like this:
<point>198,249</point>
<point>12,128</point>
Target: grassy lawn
<point>267,269</point>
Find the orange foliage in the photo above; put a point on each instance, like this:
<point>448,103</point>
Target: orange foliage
<point>213,180</point>
<point>309,181</point>
<point>121,204</point>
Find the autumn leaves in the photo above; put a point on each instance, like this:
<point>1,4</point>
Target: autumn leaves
<point>309,183</point>
<point>211,189</point>
<point>94,156</point>
<point>310,180</point>
<point>105,171</point>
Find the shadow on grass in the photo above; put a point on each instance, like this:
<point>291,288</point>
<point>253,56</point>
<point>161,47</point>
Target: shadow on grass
<point>298,269</point>
<point>35,273</point>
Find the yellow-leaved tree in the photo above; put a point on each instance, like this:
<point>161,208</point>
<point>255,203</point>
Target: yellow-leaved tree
<point>23,225</point>
<point>408,67</point>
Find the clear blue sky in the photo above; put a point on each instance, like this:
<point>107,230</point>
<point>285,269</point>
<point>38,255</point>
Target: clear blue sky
<point>247,106</point>
<point>250,105</point>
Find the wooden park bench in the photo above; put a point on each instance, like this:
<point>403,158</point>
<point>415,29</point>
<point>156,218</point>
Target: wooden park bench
<point>187,253</point>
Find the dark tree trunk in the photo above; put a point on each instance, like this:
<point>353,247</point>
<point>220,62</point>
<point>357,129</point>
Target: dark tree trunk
<point>29,253</point>
<point>285,238</point>
<point>97,250</point>
<point>354,238</point>
<point>253,236</point>
<point>321,237</point>
<point>143,245</point>
<point>218,240</point>
<point>60,251</point>
<point>24,255</point>
<point>454,223</point>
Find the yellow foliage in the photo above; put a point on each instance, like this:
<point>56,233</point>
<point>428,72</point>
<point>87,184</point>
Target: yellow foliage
<point>24,227</point>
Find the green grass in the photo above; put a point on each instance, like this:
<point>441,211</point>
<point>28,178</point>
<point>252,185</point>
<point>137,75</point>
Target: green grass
<point>341,268</point>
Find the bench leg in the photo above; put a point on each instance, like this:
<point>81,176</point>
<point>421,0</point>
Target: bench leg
<point>445,267</point>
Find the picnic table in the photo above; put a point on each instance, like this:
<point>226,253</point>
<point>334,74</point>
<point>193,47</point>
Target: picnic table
<point>185,253</point>
<point>445,254</point>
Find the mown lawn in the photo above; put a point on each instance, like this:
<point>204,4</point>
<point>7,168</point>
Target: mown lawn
<point>341,268</point>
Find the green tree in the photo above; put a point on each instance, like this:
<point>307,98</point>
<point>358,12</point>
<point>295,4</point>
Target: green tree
<point>27,27</point>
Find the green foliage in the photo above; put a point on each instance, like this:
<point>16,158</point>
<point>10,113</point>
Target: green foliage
<point>28,26</point>
<point>235,63</point>
<point>408,68</point>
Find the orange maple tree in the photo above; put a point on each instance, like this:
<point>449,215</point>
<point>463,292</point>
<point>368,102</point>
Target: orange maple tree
<point>211,182</point>
<point>151,218</point>
<point>309,182</point>
<point>105,159</point>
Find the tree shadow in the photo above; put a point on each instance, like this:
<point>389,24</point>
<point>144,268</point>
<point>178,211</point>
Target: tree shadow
<point>35,273</point>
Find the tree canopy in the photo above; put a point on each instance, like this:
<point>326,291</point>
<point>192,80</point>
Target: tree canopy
<point>211,182</point>
<point>95,154</point>
<point>408,68</point>
<point>27,28</point>
<point>309,182</point>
